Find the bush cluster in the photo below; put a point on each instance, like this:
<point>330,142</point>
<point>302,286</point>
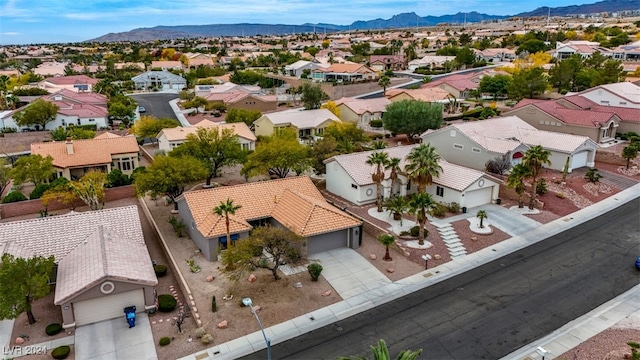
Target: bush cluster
<point>166,303</point>
<point>61,352</point>
<point>14,196</point>
<point>164,341</point>
<point>314,270</point>
<point>53,329</point>
<point>160,270</point>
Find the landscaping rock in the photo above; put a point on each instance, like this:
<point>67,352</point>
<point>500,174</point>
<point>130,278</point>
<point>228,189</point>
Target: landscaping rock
<point>437,257</point>
<point>372,256</point>
<point>326,293</point>
<point>252,278</point>
<point>210,278</point>
<point>19,341</point>
<point>223,324</point>
<point>297,285</point>
<point>391,270</point>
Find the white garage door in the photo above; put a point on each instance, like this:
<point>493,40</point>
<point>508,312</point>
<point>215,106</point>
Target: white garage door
<point>477,197</point>
<point>107,307</point>
<point>579,160</point>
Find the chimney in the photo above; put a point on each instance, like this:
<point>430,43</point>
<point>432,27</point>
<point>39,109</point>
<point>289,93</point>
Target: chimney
<point>69,144</point>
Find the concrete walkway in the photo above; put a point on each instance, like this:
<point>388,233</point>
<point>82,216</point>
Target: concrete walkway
<point>511,222</point>
<point>368,296</point>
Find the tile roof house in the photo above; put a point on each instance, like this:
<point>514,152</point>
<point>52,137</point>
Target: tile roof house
<point>345,72</point>
<point>102,261</point>
<point>430,61</point>
<point>582,48</point>
<point>623,94</point>
<point>349,177</point>
<point>165,65</point>
<point>73,158</point>
<point>362,111</point>
<point>162,80</point>
<point>170,138</point>
<point>473,143</point>
<point>552,115</point>
<point>298,68</point>
<point>294,203</point>
<point>309,123</point>
<point>434,94</point>
<point>240,99</point>
<point>629,117</point>
<point>77,83</point>
<point>387,62</point>
<point>458,85</point>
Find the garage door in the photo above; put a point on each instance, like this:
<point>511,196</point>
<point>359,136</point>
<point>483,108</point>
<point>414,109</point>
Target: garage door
<point>579,160</point>
<point>477,197</point>
<point>107,307</point>
<point>330,241</point>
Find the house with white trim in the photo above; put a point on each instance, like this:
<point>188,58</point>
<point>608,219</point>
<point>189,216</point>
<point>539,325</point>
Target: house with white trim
<point>362,111</point>
<point>170,138</point>
<point>310,124</point>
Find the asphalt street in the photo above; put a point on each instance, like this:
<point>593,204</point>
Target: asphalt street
<point>156,104</point>
<point>495,309</point>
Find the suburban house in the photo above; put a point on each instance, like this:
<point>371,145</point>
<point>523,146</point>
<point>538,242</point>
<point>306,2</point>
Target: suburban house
<point>240,99</point>
<point>387,62</point>
<point>349,177</point>
<point>431,62</point>
<point>622,94</point>
<point>551,115</point>
<point>629,117</point>
<point>495,55</point>
<point>74,158</point>
<point>310,124</point>
<point>294,203</point>
<point>162,80</point>
<point>102,262</point>
<point>346,72</point>
<point>362,111</point>
<point>434,94</point>
<point>459,85</point>
<point>195,60</point>
<point>298,68</point>
<point>170,138</point>
<point>580,47</point>
<point>50,68</point>
<point>165,65</point>
<point>473,143</point>
<point>627,52</point>
<point>77,83</point>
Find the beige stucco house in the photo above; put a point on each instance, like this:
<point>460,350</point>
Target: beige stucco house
<point>362,111</point>
<point>310,124</point>
<point>170,138</point>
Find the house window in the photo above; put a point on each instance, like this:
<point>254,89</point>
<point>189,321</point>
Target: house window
<point>354,186</point>
<point>476,150</point>
<point>125,164</point>
<point>92,120</point>
<point>458,146</point>
<point>604,102</point>
<point>78,121</point>
<point>440,191</point>
<point>623,103</point>
<point>222,241</point>
<point>408,185</point>
<point>320,131</point>
<point>245,146</point>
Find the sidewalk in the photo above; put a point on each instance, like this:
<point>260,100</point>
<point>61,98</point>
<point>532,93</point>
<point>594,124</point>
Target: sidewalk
<point>386,292</point>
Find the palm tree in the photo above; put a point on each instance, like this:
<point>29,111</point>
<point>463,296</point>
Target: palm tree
<point>379,144</point>
<point>380,160</point>
<point>386,240</point>
<point>421,204</point>
<point>515,180</point>
<point>481,214</point>
<point>384,83</point>
<point>422,166</point>
<point>534,159</point>
<point>397,205</point>
<point>381,352</point>
<point>225,209</point>
<point>630,152</point>
<point>394,167</point>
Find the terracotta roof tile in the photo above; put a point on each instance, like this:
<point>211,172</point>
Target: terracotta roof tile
<point>180,133</point>
<point>86,152</point>
<point>360,106</point>
<point>107,135</point>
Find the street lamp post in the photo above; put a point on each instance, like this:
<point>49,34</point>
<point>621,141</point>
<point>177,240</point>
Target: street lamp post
<point>426,258</point>
<point>247,302</point>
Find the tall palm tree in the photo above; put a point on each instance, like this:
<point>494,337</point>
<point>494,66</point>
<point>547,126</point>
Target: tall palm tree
<point>421,204</point>
<point>481,214</point>
<point>394,166</point>
<point>534,159</point>
<point>384,83</point>
<point>378,159</point>
<point>386,240</point>
<point>422,166</point>
<point>225,209</point>
<point>515,180</point>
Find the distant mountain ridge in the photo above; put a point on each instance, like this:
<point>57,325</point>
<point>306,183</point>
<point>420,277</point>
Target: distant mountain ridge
<point>404,20</point>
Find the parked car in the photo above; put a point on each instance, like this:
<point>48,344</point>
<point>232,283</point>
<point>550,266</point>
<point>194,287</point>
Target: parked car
<point>638,263</point>
<point>141,109</point>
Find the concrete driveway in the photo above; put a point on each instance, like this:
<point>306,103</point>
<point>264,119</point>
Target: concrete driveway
<point>511,222</point>
<point>114,340</point>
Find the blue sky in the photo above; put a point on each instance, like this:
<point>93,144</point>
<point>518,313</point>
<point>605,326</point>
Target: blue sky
<point>50,21</point>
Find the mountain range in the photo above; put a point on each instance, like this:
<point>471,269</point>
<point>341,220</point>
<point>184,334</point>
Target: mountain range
<point>405,20</point>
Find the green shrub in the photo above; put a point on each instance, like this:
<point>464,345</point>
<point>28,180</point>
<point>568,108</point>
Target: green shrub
<point>161,270</point>
<point>453,207</point>
<point>38,191</point>
<point>314,270</point>
<point>541,187</point>
<point>178,226</point>
<point>53,329</point>
<point>61,352</point>
<point>415,231</point>
<point>439,211</point>
<point>14,196</point>
<point>375,123</point>
<point>206,339</point>
<point>117,178</point>
<point>166,303</point>
<point>593,175</point>
<point>164,341</point>
<point>214,305</point>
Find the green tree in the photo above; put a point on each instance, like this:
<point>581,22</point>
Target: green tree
<point>421,204</point>
<point>564,74</point>
<point>90,189</point>
<point>215,148</point>
<point>531,46</point>
<point>534,159</point>
<point>5,176</point>
<point>386,240</point>
<point>149,126</point>
<point>236,115</point>
<point>347,135</point>
<point>422,165</point>
<point>169,176</point>
<point>225,209</point>
<point>121,110</point>
<point>629,152</point>
<point>381,352</point>
<point>33,168</point>
<point>528,83</point>
<point>277,155</point>
<point>21,282</point>
<point>38,114</point>
<point>465,57</point>
<point>481,214</point>
<point>495,85</point>
<point>515,180</point>
<point>379,159</point>
<point>280,243</point>
<point>384,83</point>
<point>75,133</point>
<point>195,103</point>
<point>412,117</point>
<point>322,150</point>
<point>312,96</point>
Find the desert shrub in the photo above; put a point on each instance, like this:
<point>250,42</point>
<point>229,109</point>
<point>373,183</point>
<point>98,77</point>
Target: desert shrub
<point>38,191</point>
<point>314,270</point>
<point>415,231</point>
<point>53,329</point>
<point>61,352</point>
<point>200,332</point>
<point>161,270</point>
<point>214,305</point>
<point>453,207</point>
<point>206,339</point>
<point>439,211</point>
<point>560,195</point>
<point>14,196</point>
<point>178,226</point>
<point>375,123</point>
<point>541,187</point>
<point>117,178</point>
<point>404,233</point>
<point>164,341</point>
<point>166,303</point>
<point>593,175</point>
